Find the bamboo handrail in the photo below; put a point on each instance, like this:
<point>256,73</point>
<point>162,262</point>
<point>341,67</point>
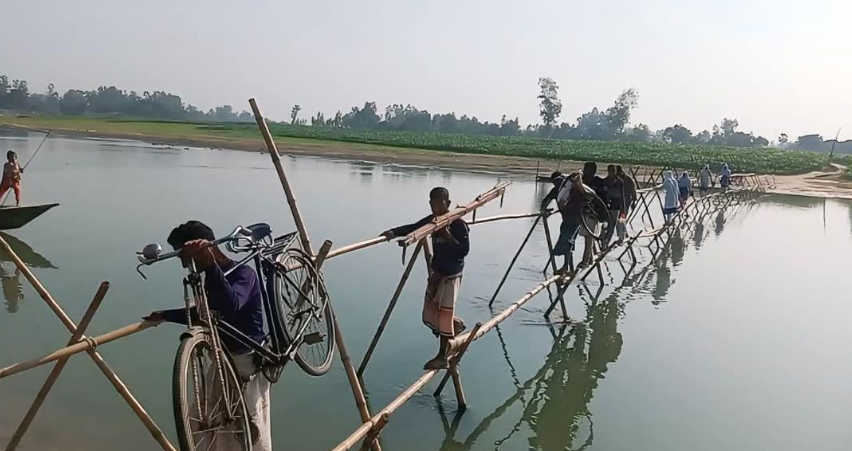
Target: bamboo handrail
<point>88,343</point>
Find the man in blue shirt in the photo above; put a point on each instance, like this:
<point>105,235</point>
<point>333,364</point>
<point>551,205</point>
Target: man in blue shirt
<point>236,297</point>
<point>450,246</point>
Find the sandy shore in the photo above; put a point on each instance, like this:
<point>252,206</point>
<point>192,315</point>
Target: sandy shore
<point>814,184</point>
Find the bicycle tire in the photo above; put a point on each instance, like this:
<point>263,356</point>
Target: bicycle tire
<point>315,352</point>
<point>189,367</point>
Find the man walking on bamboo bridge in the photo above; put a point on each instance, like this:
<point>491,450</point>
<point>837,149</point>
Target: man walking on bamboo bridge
<point>450,246</point>
<point>237,298</point>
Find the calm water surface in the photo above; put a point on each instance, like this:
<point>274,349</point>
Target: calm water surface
<point>736,339</point>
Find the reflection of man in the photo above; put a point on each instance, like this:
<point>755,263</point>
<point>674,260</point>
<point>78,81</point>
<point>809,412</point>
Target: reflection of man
<point>573,378</point>
<point>12,288</point>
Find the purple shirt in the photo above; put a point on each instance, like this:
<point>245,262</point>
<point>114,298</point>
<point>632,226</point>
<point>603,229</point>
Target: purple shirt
<point>236,297</point>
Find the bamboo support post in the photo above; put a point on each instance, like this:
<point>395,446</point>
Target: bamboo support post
<point>357,391</point>
<point>57,369</point>
<point>396,294</point>
<point>512,263</point>
<point>279,168</point>
<point>72,328</point>
<point>457,359</point>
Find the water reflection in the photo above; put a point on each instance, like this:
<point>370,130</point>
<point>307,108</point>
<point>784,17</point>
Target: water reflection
<point>10,275</point>
<point>556,398</point>
<point>364,169</point>
<point>720,222</point>
<point>13,290</point>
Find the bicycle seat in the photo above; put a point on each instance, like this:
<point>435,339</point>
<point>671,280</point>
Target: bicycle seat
<point>259,231</point>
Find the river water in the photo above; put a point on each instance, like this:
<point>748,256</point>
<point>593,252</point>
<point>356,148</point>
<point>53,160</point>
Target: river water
<point>736,339</point>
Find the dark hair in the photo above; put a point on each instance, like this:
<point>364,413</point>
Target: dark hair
<point>619,170</point>
<point>590,166</point>
<point>11,153</point>
<point>439,193</point>
<point>191,230</point>
<point>610,166</point>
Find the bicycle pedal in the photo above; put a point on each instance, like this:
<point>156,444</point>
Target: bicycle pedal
<point>313,338</point>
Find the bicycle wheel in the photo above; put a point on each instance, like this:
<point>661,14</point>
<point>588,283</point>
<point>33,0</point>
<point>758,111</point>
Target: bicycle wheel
<point>207,418</point>
<point>304,308</point>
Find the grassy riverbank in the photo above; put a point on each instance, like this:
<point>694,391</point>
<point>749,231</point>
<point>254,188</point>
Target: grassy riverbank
<point>245,136</point>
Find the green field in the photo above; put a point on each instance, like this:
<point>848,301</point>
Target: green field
<point>762,160</point>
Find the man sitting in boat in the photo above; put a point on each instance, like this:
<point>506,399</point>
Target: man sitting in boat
<point>12,177</point>
<point>450,246</point>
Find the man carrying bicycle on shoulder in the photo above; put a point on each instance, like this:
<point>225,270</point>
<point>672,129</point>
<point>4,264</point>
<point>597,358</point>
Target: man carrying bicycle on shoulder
<point>236,297</point>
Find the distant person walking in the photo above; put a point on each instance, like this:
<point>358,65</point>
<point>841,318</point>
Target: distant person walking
<point>684,186</point>
<point>570,194</point>
<point>704,180</point>
<point>670,188</point>
<point>615,205</point>
<point>725,177</point>
<point>599,186</point>
<point>12,177</point>
<point>630,194</point>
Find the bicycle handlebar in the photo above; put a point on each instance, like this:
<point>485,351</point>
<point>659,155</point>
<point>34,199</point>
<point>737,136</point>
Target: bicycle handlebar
<point>155,248</point>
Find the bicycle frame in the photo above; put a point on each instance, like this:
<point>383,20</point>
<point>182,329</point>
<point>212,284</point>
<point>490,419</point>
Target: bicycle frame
<point>262,255</point>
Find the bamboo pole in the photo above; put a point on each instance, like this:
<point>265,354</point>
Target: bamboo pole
<point>375,421</point>
<point>357,391</point>
<point>462,350</point>
<point>396,294</point>
<point>445,220</point>
<point>72,328</point>
<point>500,317</point>
<point>356,246</point>
<point>78,347</point>
<point>503,217</point>
<point>514,259</point>
<point>279,168</point>
<point>57,369</point>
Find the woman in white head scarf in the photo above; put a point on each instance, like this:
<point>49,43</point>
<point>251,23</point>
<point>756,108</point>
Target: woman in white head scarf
<point>704,181</point>
<point>725,177</point>
<point>671,191</point>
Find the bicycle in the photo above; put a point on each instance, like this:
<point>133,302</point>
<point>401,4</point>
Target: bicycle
<point>299,325</point>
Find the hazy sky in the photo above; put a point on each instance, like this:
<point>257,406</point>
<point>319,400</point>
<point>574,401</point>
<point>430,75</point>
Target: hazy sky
<point>776,65</point>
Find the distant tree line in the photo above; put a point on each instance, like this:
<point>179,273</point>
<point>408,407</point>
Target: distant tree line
<point>108,100</point>
<point>604,124</point>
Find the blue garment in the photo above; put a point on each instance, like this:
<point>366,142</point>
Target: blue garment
<point>236,297</point>
<point>447,254</point>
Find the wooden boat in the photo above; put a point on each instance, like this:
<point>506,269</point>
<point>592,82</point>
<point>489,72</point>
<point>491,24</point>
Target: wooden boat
<point>17,217</point>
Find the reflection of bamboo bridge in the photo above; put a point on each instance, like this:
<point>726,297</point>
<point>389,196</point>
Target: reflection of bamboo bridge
<point>656,237</point>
